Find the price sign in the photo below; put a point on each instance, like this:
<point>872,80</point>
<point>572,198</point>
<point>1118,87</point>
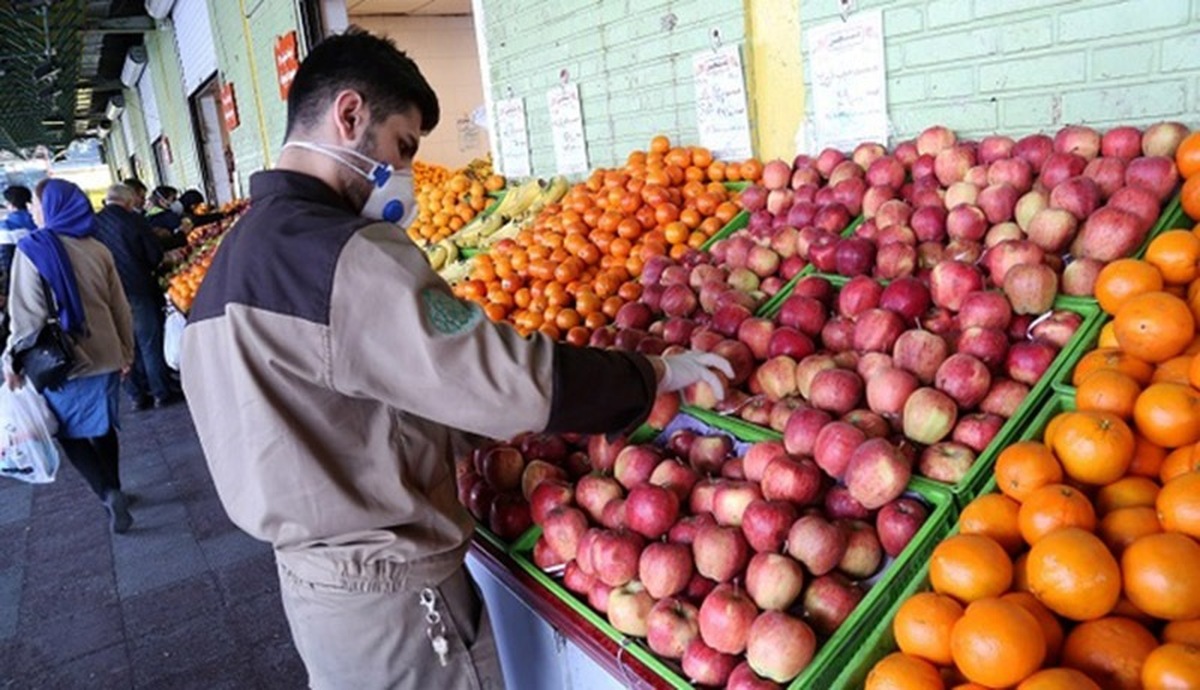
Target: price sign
<point>721,113</point>
<point>286,62</point>
<point>513,137</point>
<point>229,109</point>
<point>566,125</point>
<point>849,87</point>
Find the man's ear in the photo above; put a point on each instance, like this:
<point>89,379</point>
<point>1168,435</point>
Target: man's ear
<point>350,117</point>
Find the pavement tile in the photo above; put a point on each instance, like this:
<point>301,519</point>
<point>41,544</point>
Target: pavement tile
<point>278,667</point>
<point>208,519</point>
<point>232,547</point>
<point>102,669</point>
<point>16,501</point>
<point>50,598</point>
<point>201,647</point>
<point>53,642</point>
<point>249,579</point>
<point>165,607</point>
<point>14,550</point>
<point>11,580</point>
<point>259,621</point>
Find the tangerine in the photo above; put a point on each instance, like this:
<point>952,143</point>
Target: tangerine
<point>1187,156</point>
<point>1185,632</point>
<point>1054,507</point>
<point>1160,575</point>
<point>923,624</point>
<point>995,516</point>
<point>1176,254</point>
<point>1058,679</point>
<point>1123,279</point>
<point>1174,370</point>
<point>1172,666</point>
<point>997,643</point>
<point>970,567</point>
<point>1147,458</point>
<point>1112,358</point>
<point>1024,467</point>
<point>1126,492</point>
<point>1154,326</point>
<point>1108,390</point>
<point>899,671</point>
<point>1122,527</point>
<point>1094,447</point>
<point>1168,414</point>
<point>1178,505</point>
<point>1189,197</point>
<point>1179,462</point>
<point>1073,573</point>
<point>1110,651</point>
<point>1051,627</point>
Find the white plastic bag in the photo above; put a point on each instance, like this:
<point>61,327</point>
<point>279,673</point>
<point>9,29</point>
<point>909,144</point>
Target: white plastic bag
<point>27,428</point>
<point>173,337</point>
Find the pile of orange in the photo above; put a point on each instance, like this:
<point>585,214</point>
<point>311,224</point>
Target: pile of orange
<point>577,265</point>
<point>1080,573</point>
<point>447,201</point>
<point>1187,159</point>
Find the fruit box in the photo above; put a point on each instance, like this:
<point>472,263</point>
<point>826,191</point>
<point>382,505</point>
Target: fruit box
<point>1060,370</point>
<point>879,642</point>
<point>828,661</point>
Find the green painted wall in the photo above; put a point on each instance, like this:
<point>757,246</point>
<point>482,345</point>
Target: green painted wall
<point>172,105</point>
<point>1017,66</point>
<point>632,60</point>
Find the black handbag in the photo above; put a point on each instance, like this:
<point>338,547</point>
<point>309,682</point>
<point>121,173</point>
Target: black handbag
<point>48,362</point>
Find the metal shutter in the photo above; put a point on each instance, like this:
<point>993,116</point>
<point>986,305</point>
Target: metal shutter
<point>127,133</point>
<point>145,87</point>
<point>194,41</point>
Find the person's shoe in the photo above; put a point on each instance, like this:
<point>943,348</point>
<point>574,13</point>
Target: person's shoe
<point>141,403</point>
<point>167,401</point>
<point>117,504</point>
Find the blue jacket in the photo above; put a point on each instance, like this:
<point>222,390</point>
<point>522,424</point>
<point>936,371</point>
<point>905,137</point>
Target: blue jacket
<point>16,225</point>
<point>19,220</point>
<point>134,248</point>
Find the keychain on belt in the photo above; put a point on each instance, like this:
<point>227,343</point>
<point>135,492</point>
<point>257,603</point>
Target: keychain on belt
<point>436,630</point>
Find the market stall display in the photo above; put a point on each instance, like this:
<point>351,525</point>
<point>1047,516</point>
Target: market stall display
<point>190,264</point>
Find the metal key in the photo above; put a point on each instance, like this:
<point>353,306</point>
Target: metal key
<point>441,648</point>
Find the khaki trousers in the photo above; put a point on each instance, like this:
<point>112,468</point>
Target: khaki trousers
<point>353,636</point>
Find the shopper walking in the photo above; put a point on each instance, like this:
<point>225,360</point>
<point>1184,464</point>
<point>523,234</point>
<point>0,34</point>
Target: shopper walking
<point>17,225</point>
<point>137,256</point>
<point>65,257</point>
<point>333,377</point>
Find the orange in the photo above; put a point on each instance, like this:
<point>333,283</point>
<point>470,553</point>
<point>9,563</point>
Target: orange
<point>1172,667</point>
<point>923,624</point>
<point>1111,358</point>
<point>1176,254</point>
<point>995,516</point>
<point>1122,279</point>
<point>1174,370</point>
<point>1110,651</point>
<point>1189,197</point>
<point>1154,326</point>
<point>1127,492</point>
<point>1147,458</point>
<point>1073,573</point>
<point>969,567</point>
<point>1052,427</point>
<point>1107,337</point>
<point>1058,679</point>
<point>997,643</point>
<point>1194,371</point>
<point>660,144</point>
<point>1179,461</point>
<point>1021,573</point>
<point>1025,467</point>
<point>898,671</point>
<point>1126,609</point>
<point>1120,528</point>
<point>1178,505</point>
<point>1184,632</point>
<point>1168,414</point>
<point>1160,575</point>
<point>1049,623</point>
<point>1187,156</point>
<point>1094,447</point>
<point>1108,390</point>
<point>1054,507</point>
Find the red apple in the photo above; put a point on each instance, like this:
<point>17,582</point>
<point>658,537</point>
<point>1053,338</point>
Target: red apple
<point>759,456</point>
<point>816,543</point>
<point>782,411</point>
<point>934,140</point>
<point>577,581</point>
<point>951,281</point>
<point>725,619</point>
<point>603,453</point>
<point>676,477</point>
<point>898,522</point>
<point>946,462</point>
<point>929,415</point>
<point>1080,196</point>
<point>779,646</point>
<point>795,481</point>
<point>706,666</point>
<point>800,436</point>
<point>777,377</point>
<point>756,334</point>
<point>803,314</point>
<point>829,601</point>
<point>635,464</point>
<point>907,297</point>
<point>765,524</point>
<point>547,496</point>
<point>836,390</point>
<point>1015,172</point>
<point>929,223</point>
<point>544,555</point>
<point>854,256</point>
<point>961,193</point>
<point>1034,149</point>
<point>1028,361</point>
<point>976,431</point>
<point>614,556</point>
<point>731,499</point>
<point>895,260</point>
<point>888,389</point>
<point>614,516</point>
<point>720,553</point>
<point>840,505</point>
<point>964,378</point>
<point>1108,234</point>
<point>774,581</point>
<point>709,452</point>
<point>665,568</point>
<point>1001,258</point>
<point>858,295</point>
<point>877,473</point>
<point>594,491</point>
<point>502,468</point>
<point>1079,140</point>
<point>951,165</point>
<point>1156,174</point>
<point>671,626</point>
<point>872,363</point>
<point>988,345</point>
<point>739,356</point>
<point>1060,166</point>
<point>563,530</point>
<point>864,553</point>
<point>1028,206</point>
<point>629,608</point>
<point>876,330</point>
<point>651,510</point>
<point>1107,173</point>
<point>535,473</point>
<point>919,352</point>
<point>509,516</point>
<point>598,596</point>
<point>1004,398</point>
<point>1163,138</point>
<point>1079,277</point>
<point>1058,329</point>
<point>835,444</point>
<point>838,334</point>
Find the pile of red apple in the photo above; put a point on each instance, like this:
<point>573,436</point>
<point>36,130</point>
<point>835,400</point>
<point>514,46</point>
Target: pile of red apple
<point>1062,206</point>
<point>711,555</point>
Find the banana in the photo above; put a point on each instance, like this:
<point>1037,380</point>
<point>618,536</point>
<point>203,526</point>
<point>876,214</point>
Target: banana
<point>451,250</point>
<point>437,256</point>
<point>457,271</point>
<point>558,189</point>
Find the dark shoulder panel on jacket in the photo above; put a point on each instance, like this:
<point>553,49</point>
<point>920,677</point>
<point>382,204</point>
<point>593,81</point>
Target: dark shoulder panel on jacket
<point>282,254</point>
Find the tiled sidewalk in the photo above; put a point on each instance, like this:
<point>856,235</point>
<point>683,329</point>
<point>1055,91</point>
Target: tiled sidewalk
<point>183,600</point>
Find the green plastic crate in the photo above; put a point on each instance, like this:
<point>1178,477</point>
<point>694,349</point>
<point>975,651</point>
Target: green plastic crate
<point>828,661</point>
<point>736,186</point>
<point>1172,218</point>
<point>741,220</point>
<point>879,642</point>
<point>1064,363</point>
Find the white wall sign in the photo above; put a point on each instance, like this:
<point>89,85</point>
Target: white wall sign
<point>566,124</point>
<point>721,114</point>
<point>849,86</point>
<point>513,137</point>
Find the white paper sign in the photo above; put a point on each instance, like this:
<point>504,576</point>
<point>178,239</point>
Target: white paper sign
<point>566,125</point>
<point>849,86</point>
<point>513,137</point>
<point>721,114</point>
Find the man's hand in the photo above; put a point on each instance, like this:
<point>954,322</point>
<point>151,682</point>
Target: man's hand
<point>682,370</point>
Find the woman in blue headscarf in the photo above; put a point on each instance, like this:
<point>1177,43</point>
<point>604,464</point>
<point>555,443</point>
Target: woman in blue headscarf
<point>91,308</point>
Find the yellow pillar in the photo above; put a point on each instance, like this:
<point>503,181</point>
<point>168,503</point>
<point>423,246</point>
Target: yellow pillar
<point>775,76</point>
<point>258,104</point>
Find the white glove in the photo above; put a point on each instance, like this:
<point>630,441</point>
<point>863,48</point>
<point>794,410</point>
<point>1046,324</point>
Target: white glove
<point>684,369</point>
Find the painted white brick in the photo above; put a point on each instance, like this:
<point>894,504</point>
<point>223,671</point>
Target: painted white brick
<point>1133,102</point>
<point>1124,61</point>
<point>1047,70</point>
<point>1181,52</point>
<point>954,46</point>
<point>951,83</point>
<point>1027,35</point>
<point>902,20</point>
<point>988,9</point>
<point>1121,19</point>
<point>940,13</point>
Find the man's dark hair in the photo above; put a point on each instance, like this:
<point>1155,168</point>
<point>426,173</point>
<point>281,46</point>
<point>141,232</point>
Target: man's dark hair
<point>190,199</point>
<point>19,196</point>
<point>165,192</point>
<point>135,184</point>
<point>387,79</point>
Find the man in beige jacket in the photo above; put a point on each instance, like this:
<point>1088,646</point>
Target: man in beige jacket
<point>333,377</point>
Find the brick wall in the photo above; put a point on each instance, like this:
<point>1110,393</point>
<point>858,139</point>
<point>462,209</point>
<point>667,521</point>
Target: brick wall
<point>163,59</point>
<point>632,60</point>
<point>1016,66</point>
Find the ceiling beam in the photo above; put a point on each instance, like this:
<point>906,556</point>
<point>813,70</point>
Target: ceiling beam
<point>120,25</point>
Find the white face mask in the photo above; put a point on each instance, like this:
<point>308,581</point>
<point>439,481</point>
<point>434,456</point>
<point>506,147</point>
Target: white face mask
<point>391,197</point>
<point>176,207</point>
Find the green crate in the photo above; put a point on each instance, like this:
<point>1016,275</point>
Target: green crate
<point>828,661</point>
<point>1083,341</point>
<point>741,220</point>
<point>879,642</point>
<point>1172,218</point>
<point>736,186</point>
<point>735,426</point>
